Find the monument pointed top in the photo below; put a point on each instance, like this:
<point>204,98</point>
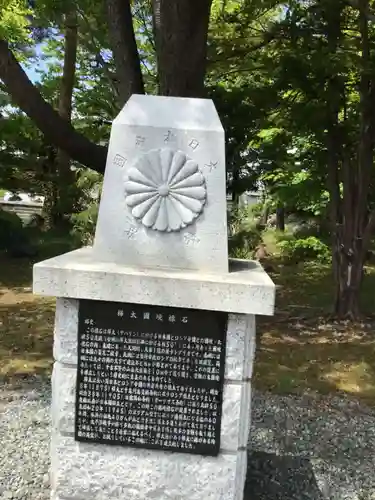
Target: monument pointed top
<point>172,112</point>
<point>163,202</point>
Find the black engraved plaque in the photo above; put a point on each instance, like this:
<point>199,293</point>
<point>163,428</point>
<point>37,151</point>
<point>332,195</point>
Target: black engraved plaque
<point>150,376</point>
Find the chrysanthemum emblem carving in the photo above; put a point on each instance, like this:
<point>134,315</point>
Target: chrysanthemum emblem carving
<point>165,190</point>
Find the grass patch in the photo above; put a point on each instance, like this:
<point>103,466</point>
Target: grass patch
<point>26,323</point>
<point>272,237</point>
<point>299,350</point>
<point>26,320</point>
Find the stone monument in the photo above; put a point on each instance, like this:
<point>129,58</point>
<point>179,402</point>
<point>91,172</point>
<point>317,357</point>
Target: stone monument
<point>155,329</point>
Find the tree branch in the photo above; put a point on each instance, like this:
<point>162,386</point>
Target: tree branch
<point>99,58</point>
<point>56,130</point>
<point>140,13</point>
<point>239,70</point>
<point>124,47</point>
<point>268,36</point>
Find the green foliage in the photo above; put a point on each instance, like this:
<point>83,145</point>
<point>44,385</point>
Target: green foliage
<point>84,224</point>
<point>273,76</point>
<point>244,235</point>
<point>22,154</point>
<point>256,210</point>
<point>53,242</point>
<point>273,237</point>
<point>242,218</point>
<point>243,243</point>
<point>305,249</point>
<point>238,114</point>
<point>10,224</point>
<point>14,238</point>
<point>14,21</point>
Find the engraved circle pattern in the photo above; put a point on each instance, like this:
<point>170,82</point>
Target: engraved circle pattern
<point>165,190</point>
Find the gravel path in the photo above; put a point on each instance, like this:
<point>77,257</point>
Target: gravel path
<point>24,442</point>
<point>302,448</point>
<point>311,448</point>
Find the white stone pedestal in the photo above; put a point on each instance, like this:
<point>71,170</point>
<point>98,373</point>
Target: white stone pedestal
<point>161,240</point>
<point>83,471</point>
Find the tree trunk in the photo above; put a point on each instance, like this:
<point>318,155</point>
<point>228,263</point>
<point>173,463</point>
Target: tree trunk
<point>234,186</point>
<point>352,226</point>
<point>334,144</point>
<point>180,28</point>
<point>56,130</point>
<point>348,285</point>
<point>124,47</point>
<point>280,218</point>
<point>65,179</point>
<point>265,214</point>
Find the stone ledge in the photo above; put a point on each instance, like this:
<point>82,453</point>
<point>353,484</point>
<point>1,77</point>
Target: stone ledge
<point>82,471</point>
<point>246,289</point>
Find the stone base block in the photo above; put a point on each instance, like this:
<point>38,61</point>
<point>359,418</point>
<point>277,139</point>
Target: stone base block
<point>82,471</point>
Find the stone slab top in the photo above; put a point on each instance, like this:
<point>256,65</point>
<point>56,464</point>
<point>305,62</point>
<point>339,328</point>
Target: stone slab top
<point>170,112</point>
<point>245,289</point>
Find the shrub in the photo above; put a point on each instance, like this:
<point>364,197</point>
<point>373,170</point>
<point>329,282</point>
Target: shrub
<point>256,210</point>
<point>272,238</point>
<point>305,249</point>
<point>9,222</point>
<point>84,224</point>
<point>244,235</point>
<point>52,243</point>
<point>243,243</point>
<point>302,229</point>
<point>14,238</point>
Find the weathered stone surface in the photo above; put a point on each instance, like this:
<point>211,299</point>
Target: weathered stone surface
<point>241,470</point>
<point>235,418</point>
<point>66,329</point>
<point>80,274</point>
<point>191,130</point>
<point>235,422</point>
<point>245,415</point>
<point>63,398</point>
<point>240,349</point>
<point>250,346</point>
<point>82,471</point>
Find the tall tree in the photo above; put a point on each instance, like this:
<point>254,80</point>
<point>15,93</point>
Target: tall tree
<point>63,189</point>
<point>124,46</point>
<point>176,25</point>
<point>352,218</point>
<point>181,30</point>
<point>324,77</point>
